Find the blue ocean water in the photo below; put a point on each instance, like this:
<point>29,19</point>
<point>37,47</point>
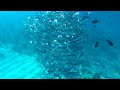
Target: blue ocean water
<point>28,52</point>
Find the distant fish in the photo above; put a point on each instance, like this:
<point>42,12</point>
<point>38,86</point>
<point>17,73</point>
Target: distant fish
<point>96,44</point>
<point>110,42</point>
<point>95,21</point>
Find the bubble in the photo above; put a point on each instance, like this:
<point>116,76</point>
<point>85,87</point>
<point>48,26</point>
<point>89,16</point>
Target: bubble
<point>77,13</point>
<point>62,15</point>
<point>89,12</point>
<point>54,40</point>
<point>28,17</point>
<point>64,24</point>
<point>36,19</point>
<point>65,42</point>
<point>55,20</point>
<point>46,43</point>
<point>59,36</point>
<point>30,41</point>
<point>67,35</point>
<point>50,21</point>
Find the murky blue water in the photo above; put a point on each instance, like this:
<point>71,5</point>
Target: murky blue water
<point>32,49</point>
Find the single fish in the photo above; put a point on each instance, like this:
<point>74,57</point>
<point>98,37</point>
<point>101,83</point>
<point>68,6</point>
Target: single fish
<point>95,21</point>
<point>110,42</point>
<point>96,44</point>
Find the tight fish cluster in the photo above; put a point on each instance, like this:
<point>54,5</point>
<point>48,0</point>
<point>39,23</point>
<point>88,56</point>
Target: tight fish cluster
<point>58,37</point>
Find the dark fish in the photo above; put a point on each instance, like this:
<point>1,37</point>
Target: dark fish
<point>110,42</point>
<point>95,21</point>
<point>96,44</point>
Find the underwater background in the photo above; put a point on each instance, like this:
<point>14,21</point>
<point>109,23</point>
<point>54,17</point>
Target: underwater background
<point>59,44</point>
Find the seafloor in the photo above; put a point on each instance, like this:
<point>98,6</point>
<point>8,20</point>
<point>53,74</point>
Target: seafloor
<point>96,64</point>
